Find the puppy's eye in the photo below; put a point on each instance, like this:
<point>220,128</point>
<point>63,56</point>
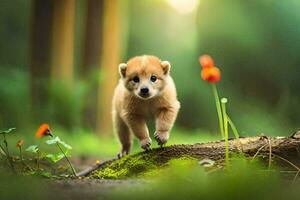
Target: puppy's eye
<point>153,78</point>
<point>136,79</point>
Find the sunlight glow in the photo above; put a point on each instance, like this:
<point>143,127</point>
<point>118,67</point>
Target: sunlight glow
<point>184,6</point>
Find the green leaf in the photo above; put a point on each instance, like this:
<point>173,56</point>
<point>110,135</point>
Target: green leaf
<point>7,131</point>
<point>53,141</point>
<point>68,154</point>
<point>55,157</point>
<point>46,174</point>
<point>42,154</point>
<point>65,145</point>
<point>57,140</point>
<point>33,148</point>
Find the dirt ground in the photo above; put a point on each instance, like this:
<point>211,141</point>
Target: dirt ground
<point>87,188</point>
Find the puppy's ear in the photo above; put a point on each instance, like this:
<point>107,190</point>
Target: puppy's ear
<point>122,69</point>
<point>166,66</point>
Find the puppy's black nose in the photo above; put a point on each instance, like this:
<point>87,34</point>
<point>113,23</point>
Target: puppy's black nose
<point>144,90</point>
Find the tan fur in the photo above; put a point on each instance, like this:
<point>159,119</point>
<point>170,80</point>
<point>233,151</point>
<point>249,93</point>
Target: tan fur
<point>131,110</point>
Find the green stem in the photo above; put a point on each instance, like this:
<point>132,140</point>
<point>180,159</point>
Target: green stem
<point>6,145</point>
<point>21,156</point>
<point>2,150</point>
<point>7,154</point>
<point>224,101</point>
<point>71,166</point>
<point>38,161</point>
<point>233,128</point>
<point>22,160</point>
<point>219,111</point>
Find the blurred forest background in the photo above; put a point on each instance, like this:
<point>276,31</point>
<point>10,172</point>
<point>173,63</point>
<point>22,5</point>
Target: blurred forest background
<point>59,58</point>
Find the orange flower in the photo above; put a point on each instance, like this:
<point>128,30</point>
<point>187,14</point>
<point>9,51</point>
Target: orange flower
<point>20,143</point>
<point>44,130</point>
<point>206,61</point>
<point>211,74</point>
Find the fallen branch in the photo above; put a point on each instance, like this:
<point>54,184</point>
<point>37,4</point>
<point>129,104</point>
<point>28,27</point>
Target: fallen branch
<point>285,147</point>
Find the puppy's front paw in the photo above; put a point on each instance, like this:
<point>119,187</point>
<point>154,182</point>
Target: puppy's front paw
<point>161,137</point>
<point>122,154</point>
<point>146,143</point>
<point>125,150</point>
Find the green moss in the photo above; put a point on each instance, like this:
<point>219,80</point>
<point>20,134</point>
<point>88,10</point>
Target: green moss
<point>127,166</point>
<point>137,165</point>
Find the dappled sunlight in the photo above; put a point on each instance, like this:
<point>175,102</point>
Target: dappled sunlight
<point>184,6</point>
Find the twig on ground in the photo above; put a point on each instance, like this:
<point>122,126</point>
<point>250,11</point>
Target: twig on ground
<point>270,153</point>
<point>93,168</point>
<point>258,151</point>
<point>292,164</point>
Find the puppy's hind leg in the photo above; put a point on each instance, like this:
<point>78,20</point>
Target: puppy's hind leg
<point>124,135</point>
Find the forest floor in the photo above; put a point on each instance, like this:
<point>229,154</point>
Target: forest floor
<point>266,177</point>
<point>86,188</point>
<point>260,168</point>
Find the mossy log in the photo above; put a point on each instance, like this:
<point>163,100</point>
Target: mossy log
<point>283,149</point>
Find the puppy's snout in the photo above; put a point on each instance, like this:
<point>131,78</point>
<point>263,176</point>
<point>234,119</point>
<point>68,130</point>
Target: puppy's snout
<point>144,90</point>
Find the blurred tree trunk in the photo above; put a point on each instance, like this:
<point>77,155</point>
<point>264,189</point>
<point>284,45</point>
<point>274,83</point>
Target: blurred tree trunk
<point>63,41</point>
<point>93,37</point>
<point>91,59</point>
<point>62,60</point>
<point>110,58</point>
<point>40,42</point>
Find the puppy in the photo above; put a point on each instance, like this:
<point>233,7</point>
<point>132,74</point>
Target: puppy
<point>145,89</point>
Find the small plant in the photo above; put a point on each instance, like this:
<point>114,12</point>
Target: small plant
<point>35,150</point>
<point>212,74</point>
<point>44,130</point>
<point>39,164</point>
<point>19,146</point>
<point>224,101</point>
<point>6,151</point>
